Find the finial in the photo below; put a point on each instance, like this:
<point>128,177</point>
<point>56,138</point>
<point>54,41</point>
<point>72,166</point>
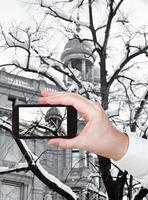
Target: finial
<point>78,29</point>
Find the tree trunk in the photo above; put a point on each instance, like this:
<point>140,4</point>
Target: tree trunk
<point>114,187</point>
<point>142,193</point>
<point>104,87</point>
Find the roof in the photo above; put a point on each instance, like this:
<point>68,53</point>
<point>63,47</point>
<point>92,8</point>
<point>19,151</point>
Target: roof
<point>53,112</point>
<point>75,48</point>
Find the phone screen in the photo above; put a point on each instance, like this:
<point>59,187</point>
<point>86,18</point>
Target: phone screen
<point>44,121</point>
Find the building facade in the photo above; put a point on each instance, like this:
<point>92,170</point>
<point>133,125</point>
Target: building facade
<point>75,168</point>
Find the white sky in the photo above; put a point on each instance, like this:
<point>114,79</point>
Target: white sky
<point>36,113</point>
<point>138,11</point>
<point>16,10</point>
<point>11,10</point>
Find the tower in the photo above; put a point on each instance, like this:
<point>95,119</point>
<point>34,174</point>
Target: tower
<point>78,56</point>
<point>54,120</point>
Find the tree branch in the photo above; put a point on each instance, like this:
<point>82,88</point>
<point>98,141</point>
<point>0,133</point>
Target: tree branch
<point>20,167</point>
<point>56,13</point>
<point>125,61</point>
<point>138,111</point>
<point>91,27</point>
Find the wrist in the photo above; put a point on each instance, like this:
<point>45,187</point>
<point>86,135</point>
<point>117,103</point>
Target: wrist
<point>114,145</point>
<point>120,147</point>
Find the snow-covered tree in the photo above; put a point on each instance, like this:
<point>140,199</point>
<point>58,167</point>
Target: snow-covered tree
<point>120,49</point>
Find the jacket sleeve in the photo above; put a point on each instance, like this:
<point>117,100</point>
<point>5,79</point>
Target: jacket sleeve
<point>135,161</point>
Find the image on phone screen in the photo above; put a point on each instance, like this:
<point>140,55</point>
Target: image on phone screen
<point>44,121</point>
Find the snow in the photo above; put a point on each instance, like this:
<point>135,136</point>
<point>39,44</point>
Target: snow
<point>45,173</point>
<point>61,14</point>
<point>21,165</point>
<point>4,123</point>
<point>51,73</point>
<point>87,86</point>
<point>5,108</point>
<point>56,181</point>
<point>2,169</point>
<point>73,88</point>
<point>60,82</point>
<point>17,166</point>
<point>15,62</point>
<point>35,161</point>
<point>34,157</point>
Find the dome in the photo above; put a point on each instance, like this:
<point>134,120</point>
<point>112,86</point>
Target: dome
<point>75,49</point>
<point>53,113</point>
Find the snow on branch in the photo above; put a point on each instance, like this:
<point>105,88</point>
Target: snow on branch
<point>18,168</point>
<point>34,165</point>
<point>12,40</point>
<point>5,124</point>
<point>56,12</point>
<point>58,184</point>
<point>51,73</point>
<point>126,59</point>
<point>51,181</point>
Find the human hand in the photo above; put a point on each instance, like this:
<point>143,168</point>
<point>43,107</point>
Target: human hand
<point>98,136</point>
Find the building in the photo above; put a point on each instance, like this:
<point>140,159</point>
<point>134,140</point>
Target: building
<point>73,167</point>
<point>77,56</point>
<point>13,90</point>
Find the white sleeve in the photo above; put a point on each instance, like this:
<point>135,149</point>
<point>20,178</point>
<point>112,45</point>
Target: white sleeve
<point>135,161</point>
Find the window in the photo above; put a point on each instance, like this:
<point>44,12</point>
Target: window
<point>11,191</point>
<point>86,160</point>
<point>48,197</point>
<point>76,64</point>
<point>9,149</point>
<point>75,158</point>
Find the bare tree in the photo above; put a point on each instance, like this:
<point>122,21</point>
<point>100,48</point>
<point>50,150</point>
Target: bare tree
<point>119,50</point>
<point>33,164</point>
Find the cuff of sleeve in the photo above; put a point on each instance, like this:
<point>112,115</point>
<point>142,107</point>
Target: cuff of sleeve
<point>135,161</point>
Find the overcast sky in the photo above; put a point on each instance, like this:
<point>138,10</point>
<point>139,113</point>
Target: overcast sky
<point>15,10</point>
<point>11,10</point>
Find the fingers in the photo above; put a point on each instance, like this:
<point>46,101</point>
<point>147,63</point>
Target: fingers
<point>81,104</point>
<point>64,143</point>
<point>46,93</point>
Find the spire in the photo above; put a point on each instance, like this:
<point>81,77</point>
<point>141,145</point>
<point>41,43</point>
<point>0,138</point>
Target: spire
<point>78,29</point>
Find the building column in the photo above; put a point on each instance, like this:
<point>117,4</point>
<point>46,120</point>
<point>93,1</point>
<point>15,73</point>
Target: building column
<point>83,69</point>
